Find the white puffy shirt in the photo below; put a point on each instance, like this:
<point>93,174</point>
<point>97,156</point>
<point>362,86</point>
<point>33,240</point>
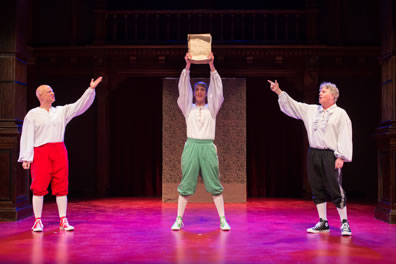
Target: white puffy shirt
<point>327,129</point>
<point>41,126</point>
<point>200,120</point>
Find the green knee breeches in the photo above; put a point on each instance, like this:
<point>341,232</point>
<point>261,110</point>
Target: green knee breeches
<point>199,156</point>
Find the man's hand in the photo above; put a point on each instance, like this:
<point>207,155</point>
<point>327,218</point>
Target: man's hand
<point>26,165</point>
<point>188,62</point>
<point>95,83</point>
<point>211,62</point>
<point>275,87</point>
<point>339,163</point>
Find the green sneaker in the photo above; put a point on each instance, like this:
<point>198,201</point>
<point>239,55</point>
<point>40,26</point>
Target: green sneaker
<point>223,224</point>
<point>178,224</point>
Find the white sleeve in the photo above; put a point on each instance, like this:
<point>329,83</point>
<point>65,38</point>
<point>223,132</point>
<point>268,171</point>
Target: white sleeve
<point>185,93</point>
<point>215,93</point>
<point>344,144</point>
<point>79,107</point>
<point>291,107</point>
<point>26,151</point>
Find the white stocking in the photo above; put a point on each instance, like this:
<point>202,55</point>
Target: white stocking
<point>37,202</point>
<point>343,213</point>
<point>61,201</point>
<point>181,205</point>
<point>219,203</point>
<point>322,211</point>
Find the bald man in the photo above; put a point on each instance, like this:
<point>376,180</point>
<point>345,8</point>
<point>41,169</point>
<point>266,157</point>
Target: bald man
<point>43,151</point>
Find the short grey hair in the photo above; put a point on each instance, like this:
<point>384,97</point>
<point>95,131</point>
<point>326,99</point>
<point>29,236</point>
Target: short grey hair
<point>332,88</point>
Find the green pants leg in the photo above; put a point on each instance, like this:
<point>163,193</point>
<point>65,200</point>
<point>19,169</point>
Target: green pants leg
<point>190,169</point>
<point>199,155</point>
<point>209,164</point>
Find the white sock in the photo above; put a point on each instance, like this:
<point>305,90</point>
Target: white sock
<point>61,201</point>
<point>219,203</point>
<point>37,203</point>
<point>322,211</point>
<point>181,205</point>
<point>343,213</point>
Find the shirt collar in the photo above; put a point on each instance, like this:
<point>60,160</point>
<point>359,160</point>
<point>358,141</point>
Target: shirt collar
<point>329,110</point>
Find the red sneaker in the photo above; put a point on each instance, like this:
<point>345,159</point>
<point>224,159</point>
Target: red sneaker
<point>38,225</point>
<point>64,224</point>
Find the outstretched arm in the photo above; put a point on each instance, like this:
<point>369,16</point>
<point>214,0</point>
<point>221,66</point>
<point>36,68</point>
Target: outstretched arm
<point>82,104</point>
<point>95,83</point>
<point>275,87</point>
<point>287,105</point>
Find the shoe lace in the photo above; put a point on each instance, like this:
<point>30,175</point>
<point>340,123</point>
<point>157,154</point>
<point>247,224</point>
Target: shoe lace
<point>223,222</point>
<point>318,225</point>
<point>37,223</point>
<point>345,226</point>
<point>179,222</point>
<point>64,222</point>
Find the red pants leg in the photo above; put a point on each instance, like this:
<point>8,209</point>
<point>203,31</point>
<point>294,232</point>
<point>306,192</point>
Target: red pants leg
<point>41,170</point>
<point>60,169</point>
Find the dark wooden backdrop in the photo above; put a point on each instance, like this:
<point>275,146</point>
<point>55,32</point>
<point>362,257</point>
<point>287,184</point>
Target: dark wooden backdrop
<point>115,147</point>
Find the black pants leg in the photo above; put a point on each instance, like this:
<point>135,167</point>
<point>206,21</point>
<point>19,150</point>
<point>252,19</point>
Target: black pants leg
<point>324,179</point>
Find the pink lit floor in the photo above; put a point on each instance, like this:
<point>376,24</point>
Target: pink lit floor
<point>131,230</point>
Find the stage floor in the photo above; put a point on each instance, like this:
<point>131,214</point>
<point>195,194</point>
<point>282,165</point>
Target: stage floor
<point>132,230</point>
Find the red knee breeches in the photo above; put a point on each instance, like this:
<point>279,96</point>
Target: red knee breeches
<point>50,165</point>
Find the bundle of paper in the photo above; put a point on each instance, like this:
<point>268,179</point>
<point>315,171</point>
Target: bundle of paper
<point>199,46</point>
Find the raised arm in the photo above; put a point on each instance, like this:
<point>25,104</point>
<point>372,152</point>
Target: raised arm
<point>287,104</point>
<point>215,90</point>
<point>275,87</point>
<point>185,98</point>
<point>82,104</point>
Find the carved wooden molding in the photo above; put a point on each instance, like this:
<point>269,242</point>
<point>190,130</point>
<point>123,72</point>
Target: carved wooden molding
<point>220,50</point>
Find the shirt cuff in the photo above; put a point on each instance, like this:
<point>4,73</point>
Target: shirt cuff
<point>340,156</point>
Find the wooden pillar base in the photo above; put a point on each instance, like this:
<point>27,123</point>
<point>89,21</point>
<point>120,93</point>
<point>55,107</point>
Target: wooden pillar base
<point>386,147</point>
<point>14,180</point>
<point>13,213</point>
<point>385,214</point>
